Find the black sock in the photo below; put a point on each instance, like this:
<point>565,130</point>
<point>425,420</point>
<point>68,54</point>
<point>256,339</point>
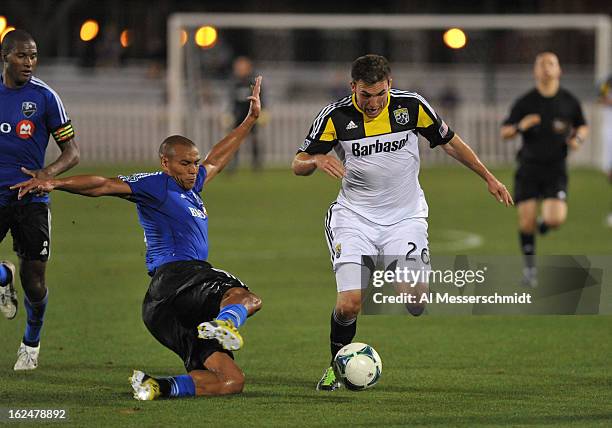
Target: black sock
<point>342,333</point>
<point>528,248</point>
<point>543,227</point>
<point>164,386</point>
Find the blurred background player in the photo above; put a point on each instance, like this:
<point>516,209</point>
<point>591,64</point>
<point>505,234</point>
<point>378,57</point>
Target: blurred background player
<point>381,209</point>
<point>190,307</point>
<point>550,120</point>
<point>240,88</point>
<point>30,111</point>
<point>605,98</point>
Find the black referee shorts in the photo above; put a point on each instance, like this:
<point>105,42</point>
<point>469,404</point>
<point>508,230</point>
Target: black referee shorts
<point>180,297</point>
<point>540,182</point>
<point>30,226</point>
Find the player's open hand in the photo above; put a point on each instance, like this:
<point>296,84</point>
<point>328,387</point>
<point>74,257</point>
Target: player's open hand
<point>33,185</point>
<point>330,165</point>
<point>529,121</point>
<point>255,108</point>
<point>499,191</point>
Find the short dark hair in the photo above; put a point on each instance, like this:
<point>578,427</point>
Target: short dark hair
<point>370,69</point>
<point>167,146</point>
<point>12,38</point>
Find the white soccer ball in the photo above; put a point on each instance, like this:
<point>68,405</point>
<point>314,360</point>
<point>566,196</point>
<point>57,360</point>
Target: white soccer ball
<point>358,366</point>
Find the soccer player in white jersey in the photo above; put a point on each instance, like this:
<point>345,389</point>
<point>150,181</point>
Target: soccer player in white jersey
<point>381,209</point>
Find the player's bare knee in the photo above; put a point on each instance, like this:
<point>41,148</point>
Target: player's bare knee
<point>554,222</point>
<point>348,309</point>
<point>253,304</point>
<point>32,274</point>
<point>233,384</point>
<point>239,295</point>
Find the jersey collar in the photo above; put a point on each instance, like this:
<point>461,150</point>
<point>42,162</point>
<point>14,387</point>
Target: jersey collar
<point>366,118</point>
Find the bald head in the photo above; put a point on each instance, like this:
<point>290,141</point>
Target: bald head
<point>167,147</point>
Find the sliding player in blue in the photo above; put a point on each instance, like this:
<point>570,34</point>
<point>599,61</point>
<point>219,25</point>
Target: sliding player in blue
<point>191,308</point>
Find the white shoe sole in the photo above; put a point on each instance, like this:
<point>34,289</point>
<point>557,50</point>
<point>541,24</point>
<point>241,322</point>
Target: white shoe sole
<point>227,338</point>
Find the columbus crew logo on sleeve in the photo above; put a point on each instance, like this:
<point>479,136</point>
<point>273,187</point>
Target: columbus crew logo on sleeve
<point>401,116</point>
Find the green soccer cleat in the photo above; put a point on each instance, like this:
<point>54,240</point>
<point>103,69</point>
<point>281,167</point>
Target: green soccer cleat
<point>328,382</point>
<point>8,295</point>
<point>145,387</point>
<point>223,332</point>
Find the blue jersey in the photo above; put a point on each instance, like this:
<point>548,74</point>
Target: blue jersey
<point>28,115</point>
<point>174,220</point>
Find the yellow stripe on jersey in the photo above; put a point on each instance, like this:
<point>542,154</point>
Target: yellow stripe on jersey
<point>378,125</point>
<point>329,133</point>
<point>424,121</point>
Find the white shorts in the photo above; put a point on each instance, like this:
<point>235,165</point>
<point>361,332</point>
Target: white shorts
<point>350,237</point>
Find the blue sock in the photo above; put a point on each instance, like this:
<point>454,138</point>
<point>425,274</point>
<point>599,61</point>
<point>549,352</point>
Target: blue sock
<point>236,313</point>
<point>5,275</point>
<point>36,315</point>
<point>181,386</point>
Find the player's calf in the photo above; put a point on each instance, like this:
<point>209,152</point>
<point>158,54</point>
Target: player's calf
<point>221,377</point>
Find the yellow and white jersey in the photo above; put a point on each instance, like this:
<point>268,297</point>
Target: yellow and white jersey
<point>380,154</point>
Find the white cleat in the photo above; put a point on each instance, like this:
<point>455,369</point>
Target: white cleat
<point>8,295</point>
<point>223,332</point>
<point>145,387</point>
<point>27,357</point>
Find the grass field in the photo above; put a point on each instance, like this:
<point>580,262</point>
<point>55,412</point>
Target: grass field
<point>268,230</point>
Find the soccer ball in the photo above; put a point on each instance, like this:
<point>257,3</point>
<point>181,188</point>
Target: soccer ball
<point>358,366</point>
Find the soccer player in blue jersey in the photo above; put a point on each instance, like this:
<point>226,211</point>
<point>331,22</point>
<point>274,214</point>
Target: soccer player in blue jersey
<point>190,307</point>
<point>30,111</point>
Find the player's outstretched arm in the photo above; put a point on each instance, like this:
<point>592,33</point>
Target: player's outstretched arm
<point>305,164</point>
<point>464,154</point>
<point>224,150</point>
<point>87,185</point>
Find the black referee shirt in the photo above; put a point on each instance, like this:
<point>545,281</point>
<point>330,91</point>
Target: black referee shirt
<point>546,143</point>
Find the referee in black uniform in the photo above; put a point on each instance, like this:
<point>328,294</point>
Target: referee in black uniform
<point>241,88</point>
<point>550,120</point>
